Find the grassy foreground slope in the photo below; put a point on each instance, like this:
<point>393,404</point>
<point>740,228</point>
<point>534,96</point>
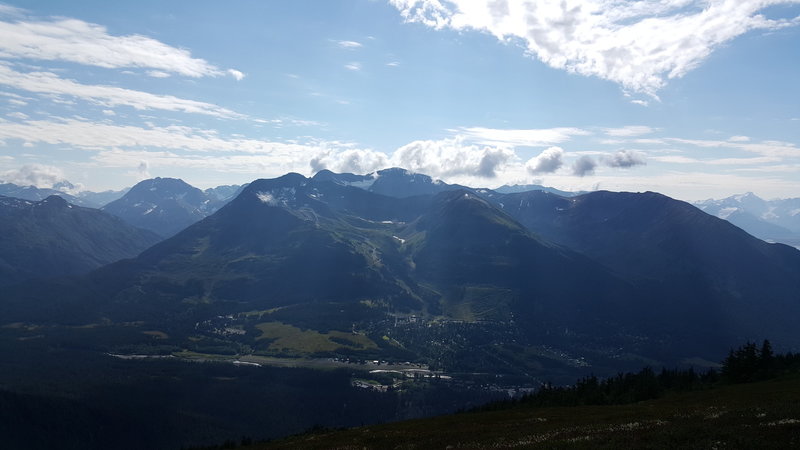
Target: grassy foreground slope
<point>756,415</point>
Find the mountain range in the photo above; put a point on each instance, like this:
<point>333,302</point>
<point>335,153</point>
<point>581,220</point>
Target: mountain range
<point>771,220</point>
<point>47,238</point>
<point>162,193</point>
<point>168,205</point>
<point>88,199</point>
<point>532,281</point>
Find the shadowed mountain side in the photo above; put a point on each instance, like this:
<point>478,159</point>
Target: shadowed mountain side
<point>465,245</point>
<point>276,244</point>
<point>698,268</point>
<point>52,238</point>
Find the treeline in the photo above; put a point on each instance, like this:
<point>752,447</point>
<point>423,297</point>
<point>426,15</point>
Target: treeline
<point>750,363</point>
<point>747,363</point>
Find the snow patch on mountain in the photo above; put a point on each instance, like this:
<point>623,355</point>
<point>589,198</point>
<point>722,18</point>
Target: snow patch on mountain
<point>724,213</point>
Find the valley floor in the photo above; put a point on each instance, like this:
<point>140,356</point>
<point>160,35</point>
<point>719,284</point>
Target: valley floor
<point>744,416</point>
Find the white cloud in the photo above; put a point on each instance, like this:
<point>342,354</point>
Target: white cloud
<point>158,74</point>
<point>173,147</point>
<point>97,136</point>
<point>356,66</point>
<point>583,166</point>
<point>8,10</point>
<point>522,138</point>
<point>349,45</point>
<point>648,141</point>
<point>625,159</point>
<point>790,168</point>
<point>108,96</point>
<point>548,161</point>
<point>638,44</point>
<point>254,165</point>
<point>18,115</point>
<point>350,161</point>
<point>90,44</point>
<point>629,131</point>
<point>38,175</point>
<point>675,159</point>
<point>739,139</point>
<point>744,161</point>
<point>184,147</point>
<point>766,148</point>
<point>266,197</point>
<point>239,76</point>
<point>452,157</point>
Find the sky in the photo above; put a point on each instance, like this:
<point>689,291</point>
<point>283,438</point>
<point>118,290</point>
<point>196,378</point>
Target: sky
<point>695,99</point>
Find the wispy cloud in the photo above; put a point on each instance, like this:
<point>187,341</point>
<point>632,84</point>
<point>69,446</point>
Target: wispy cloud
<point>98,136</point>
<point>766,148</point>
<point>739,139</point>
<point>675,159</point>
<point>679,159</point>
<point>90,44</point>
<point>127,147</point>
<point>349,45</point>
<point>18,115</point>
<point>354,66</point>
<point>526,138</point>
<point>637,44</point>
<point>108,96</point>
<point>11,11</point>
<point>629,131</point>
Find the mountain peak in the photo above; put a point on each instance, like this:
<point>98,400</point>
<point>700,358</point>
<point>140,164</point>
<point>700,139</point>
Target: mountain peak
<point>55,201</point>
<point>323,175</point>
<point>165,181</point>
<point>747,196</point>
<point>396,171</point>
<point>397,182</point>
<point>163,205</point>
<point>290,180</point>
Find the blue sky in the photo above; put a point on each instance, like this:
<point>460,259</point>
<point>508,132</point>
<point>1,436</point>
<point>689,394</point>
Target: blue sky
<point>695,99</point>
